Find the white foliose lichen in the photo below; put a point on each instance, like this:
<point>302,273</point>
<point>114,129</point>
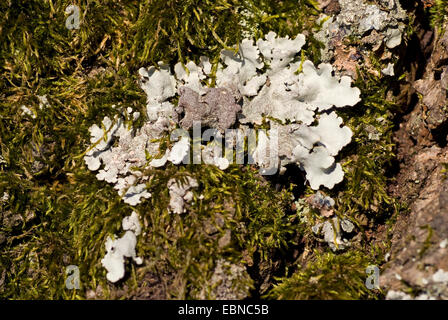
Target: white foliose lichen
<point>120,249</point>
<point>389,70</point>
<point>264,81</point>
<point>27,111</point>
<point>180,193</point>
<point>5,197</point>
<point>397,295</point>
<point>333,232</point>
<point>43,103</point>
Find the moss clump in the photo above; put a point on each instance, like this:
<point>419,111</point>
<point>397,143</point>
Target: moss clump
<point>438,13</point>
<point>329,276</point>
<point>237,217</point>
<point>370,155</point>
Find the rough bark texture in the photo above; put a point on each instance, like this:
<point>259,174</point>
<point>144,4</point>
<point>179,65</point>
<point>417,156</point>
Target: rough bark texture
<point>417,247</point>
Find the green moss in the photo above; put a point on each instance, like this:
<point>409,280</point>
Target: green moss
<point>444,170</point>
<point>438,13</point>
<point>368,159</point>
<point>329,276</point>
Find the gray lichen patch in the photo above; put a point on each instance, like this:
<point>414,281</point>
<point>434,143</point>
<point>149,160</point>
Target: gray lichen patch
<point>433,288</point>
<point>373,26</point>
<point>229,281</point>
<point>215,108</point>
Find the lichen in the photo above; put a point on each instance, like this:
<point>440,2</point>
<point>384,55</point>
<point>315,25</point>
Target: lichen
<point>358,29</point>
<point>277,93</point>
<point>119,249</point>
<point>228,282</point>
<point>215,108</point>
<point>333,230</point>
<point>62,214</point>
<point>434,288</point>
<point>180,194</point>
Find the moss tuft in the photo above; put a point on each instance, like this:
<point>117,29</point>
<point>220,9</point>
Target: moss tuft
<point>329,277</point>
